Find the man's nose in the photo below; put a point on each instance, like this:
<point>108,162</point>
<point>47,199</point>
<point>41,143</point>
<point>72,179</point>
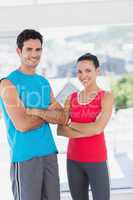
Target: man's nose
<point>34,54</point>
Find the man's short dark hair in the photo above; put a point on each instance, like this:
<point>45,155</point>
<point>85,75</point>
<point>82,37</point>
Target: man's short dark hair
<point>89,57</point>
<point>28,34</point>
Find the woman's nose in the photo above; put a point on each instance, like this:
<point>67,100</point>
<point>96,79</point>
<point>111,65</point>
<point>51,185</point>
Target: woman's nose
<point>84,76</point>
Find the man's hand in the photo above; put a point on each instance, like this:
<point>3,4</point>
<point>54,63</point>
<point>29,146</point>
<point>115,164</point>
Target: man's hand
<point>51,116</point>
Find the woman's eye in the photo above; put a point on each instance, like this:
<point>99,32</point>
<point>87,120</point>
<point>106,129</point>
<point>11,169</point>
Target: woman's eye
<point>79,72</point>
<point>88,70</point>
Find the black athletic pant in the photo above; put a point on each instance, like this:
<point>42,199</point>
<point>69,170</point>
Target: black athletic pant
<point>82,175</point>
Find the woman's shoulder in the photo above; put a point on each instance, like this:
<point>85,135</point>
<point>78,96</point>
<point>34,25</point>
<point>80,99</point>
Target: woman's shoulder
<point>70,97</point>
<point>108,94</point>
<point>105,93</point>
<point>108,97</point>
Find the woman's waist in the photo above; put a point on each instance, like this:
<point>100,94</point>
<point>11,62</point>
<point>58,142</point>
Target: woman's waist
<point>82,120</point>
<point>95,139</point>
<point>87,146</point>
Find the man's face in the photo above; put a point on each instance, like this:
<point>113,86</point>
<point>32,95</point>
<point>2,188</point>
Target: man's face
<point>30,53</point>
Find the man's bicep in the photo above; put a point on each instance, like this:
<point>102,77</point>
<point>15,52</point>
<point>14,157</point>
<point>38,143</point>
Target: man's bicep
<point>12,102</point>
<point>16,110</point>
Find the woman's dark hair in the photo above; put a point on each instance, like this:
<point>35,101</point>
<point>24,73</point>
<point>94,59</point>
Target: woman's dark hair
<point>28,34</point>
<point>89,57</point>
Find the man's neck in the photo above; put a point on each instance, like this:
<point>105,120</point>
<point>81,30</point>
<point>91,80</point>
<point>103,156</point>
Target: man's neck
<point>27,70</point>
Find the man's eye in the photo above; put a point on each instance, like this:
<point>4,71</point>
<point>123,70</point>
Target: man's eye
<point>38,50</point>
<point>29,49</point>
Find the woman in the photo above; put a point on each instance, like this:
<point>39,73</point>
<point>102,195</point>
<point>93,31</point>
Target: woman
<point>89,112</point>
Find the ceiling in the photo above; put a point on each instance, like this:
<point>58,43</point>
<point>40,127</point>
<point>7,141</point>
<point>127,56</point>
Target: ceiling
<point>19,14</point>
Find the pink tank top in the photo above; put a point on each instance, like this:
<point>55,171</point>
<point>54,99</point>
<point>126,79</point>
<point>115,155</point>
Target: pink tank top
<point>87,149</point>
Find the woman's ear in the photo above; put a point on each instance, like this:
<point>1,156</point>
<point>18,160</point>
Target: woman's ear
<point>98,71</point>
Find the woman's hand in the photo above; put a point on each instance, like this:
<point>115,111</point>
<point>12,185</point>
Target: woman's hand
<point>68,132</point>
<point>65,131</point>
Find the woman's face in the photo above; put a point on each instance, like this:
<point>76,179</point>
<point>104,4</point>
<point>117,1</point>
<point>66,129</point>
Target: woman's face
<point>87,72</point>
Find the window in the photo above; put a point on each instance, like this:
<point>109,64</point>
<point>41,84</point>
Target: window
<point>114,47</point>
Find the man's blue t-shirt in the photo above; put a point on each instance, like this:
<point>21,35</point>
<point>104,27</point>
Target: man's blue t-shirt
<point>35,92</point>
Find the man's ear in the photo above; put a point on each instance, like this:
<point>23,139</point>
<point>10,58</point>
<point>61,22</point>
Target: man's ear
<point>18,50</point>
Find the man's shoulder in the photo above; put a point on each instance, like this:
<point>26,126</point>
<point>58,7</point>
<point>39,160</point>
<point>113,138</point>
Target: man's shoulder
<point>1,80</point>
<point>10,80</point>
<point>12,73</point>
<point>43,79</point>
<point>8,75</point>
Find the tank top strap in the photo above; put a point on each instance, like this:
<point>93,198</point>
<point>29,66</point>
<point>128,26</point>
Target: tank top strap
<point>73,98</point>
<point>73,95</point>
<point>101,93</point>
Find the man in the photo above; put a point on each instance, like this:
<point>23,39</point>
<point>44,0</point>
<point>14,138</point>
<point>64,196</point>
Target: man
<point>34,169</point>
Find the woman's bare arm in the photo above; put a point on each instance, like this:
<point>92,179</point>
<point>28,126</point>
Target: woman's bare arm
<point>102,120</point>
<point>69,132</point>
